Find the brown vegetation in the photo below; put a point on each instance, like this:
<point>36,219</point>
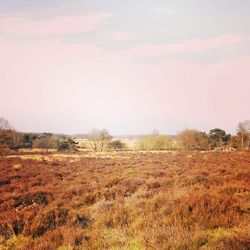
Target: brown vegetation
<point>127,201</point>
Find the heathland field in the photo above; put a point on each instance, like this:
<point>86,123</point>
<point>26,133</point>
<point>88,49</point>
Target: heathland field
<point>125,200</point>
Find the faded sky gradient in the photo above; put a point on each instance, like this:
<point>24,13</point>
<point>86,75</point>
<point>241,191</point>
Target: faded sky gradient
<point>129,66</point>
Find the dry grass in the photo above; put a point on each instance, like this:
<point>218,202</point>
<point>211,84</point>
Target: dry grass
<point>125,200</point>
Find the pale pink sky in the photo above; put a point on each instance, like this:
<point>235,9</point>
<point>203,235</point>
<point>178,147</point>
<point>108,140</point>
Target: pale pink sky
<point>49,82</point>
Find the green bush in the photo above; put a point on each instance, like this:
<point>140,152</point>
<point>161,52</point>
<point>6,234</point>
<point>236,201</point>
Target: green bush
<point>117,145</point>
<point>66,144</point>
<point>155,142</point>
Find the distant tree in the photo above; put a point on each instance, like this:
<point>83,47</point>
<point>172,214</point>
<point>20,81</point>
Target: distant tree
<point>46,134</point>
<point>45,142</point>
<point>117,145</point>
<point>9,138</point>
<point>27,140</point>
<point>244,134</point>
<point>6,141</point>
<point>66,144</point>
<point>5,124</point>
<point>193,140</point>
<point>99,139</point>
<point>155,142</point>
<point>6,137</point>
<point>234,142</point>
<point>218,138</point>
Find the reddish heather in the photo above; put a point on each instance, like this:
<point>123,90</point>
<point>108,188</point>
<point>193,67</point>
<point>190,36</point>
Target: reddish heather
<point>163,200</point>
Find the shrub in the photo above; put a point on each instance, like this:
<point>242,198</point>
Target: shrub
<point>9,139</point>
<point>155,142</point>
<point>117,145</point>
<point>66,144</point>
<point>192,140</point>
<point>45,142</point>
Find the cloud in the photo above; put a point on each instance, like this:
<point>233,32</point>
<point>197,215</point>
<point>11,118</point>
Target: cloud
<point>190,46</point>
<point>164,10</point>
<point>51,27</point>
<point>79,86</point>
<point>124,36</point>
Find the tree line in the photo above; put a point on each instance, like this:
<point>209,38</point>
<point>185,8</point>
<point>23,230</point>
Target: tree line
<point>101,140</point>
<point>11,140</point>
<point>190,139</point>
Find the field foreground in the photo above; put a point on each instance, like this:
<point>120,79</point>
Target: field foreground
<point>153,200</point>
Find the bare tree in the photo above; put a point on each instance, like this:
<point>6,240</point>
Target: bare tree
<point>9,138</point>
<point>99,139</point>
<point>244,134</point>
<point>5,124</point>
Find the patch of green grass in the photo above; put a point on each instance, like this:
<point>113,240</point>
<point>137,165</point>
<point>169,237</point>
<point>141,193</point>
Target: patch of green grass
<point>220,233</point>
<point>134,245</point>
<point>130,171</point>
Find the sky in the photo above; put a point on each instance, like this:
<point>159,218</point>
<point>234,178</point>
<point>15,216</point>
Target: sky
<point>67,66</point>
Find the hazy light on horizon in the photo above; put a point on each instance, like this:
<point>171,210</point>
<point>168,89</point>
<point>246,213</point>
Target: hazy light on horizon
<point>70,67</point>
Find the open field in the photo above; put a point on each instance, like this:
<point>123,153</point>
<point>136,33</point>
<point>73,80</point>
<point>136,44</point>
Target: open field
<point>125,200</point>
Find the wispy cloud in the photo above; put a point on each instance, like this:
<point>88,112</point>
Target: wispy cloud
<point>164,10</point>
<point>190,46</point>
<point>52,27</point>
<point>124,36</point>
<point>170,89</point>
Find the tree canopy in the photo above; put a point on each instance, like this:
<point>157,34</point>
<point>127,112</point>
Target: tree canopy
<point>218,138</point>
<point>190,139</point>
